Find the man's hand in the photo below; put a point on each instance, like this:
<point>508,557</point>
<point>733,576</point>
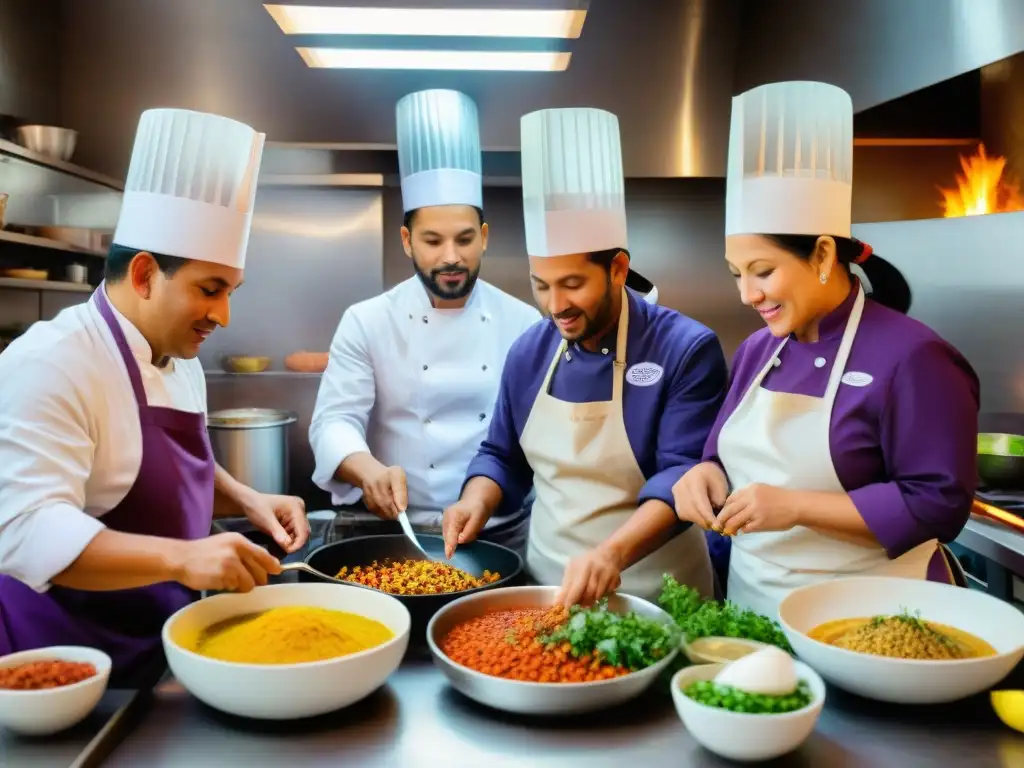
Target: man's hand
<point>281,517</point>
<point>385,492</point>
<point>227,562</point>
<point>461,523</point>
<point>588,578</point>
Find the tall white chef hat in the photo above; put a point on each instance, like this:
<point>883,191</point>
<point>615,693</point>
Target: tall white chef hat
<point>439,149</point>
<point>574,194</point>
<point>790,161</point>
<point>191,187</point>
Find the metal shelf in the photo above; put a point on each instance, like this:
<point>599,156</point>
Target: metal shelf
<point>265,374</point>
<point>43,242</point>
<point>44,285</point>
<point>108,184</point>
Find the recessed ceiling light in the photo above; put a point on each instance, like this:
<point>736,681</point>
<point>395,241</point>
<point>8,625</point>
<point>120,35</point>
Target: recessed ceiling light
<point>446,22</point>
<point>373,58</point>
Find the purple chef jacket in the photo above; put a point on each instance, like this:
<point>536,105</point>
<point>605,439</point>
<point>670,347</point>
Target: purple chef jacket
<point>904,446</point>
<point>172,497</point>
<point>667,420</point>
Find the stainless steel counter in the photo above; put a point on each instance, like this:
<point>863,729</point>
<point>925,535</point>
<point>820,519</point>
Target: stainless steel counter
<point>416,720</point>
<point>80,747</point>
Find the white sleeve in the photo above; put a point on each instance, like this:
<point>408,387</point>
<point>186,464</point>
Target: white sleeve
<point>46,457</point>
<point>343,404</point>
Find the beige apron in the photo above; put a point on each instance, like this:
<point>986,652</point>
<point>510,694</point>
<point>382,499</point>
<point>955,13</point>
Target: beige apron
<point>587,482</point>
<point>782,439</point>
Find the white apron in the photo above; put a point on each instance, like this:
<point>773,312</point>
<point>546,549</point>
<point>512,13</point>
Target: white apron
<point>587,481</point>
<point>782,439</point>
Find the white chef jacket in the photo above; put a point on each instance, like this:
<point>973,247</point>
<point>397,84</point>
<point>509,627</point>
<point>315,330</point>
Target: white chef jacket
<point>70,438</point>
<point>414,386</point>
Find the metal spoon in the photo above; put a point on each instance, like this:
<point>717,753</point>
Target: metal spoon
<point>403,520</point>
<point>298,565</point>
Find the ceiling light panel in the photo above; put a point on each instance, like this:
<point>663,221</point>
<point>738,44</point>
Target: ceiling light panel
<point>432,22</point>
<point>493,61</point>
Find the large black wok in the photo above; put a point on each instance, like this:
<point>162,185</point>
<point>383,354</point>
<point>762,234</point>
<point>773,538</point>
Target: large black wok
<point>1001,461</point>
<point>473,558</point>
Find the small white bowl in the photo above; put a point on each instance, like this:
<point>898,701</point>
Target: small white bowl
<point>51,710</point>
<point>742,736</point>
<point>286,691</point>
<point>904,681</point>
<point>712,650</point>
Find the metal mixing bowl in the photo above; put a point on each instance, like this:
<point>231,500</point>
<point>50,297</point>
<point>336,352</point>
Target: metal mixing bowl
<point>48,140</point>
<point>529,698</point>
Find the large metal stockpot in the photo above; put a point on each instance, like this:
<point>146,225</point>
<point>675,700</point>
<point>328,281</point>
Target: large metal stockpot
<point>252,445</point>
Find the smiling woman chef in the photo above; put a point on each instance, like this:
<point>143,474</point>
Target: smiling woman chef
<point>848,435</point>
<point>605,405</point>
<point>107,480</point>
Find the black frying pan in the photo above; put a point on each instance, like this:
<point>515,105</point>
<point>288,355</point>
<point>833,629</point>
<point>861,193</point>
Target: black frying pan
<point>473,558</point>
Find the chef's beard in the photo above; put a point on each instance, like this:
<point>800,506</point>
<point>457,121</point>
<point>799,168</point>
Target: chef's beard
<point>431,281</point>
<point>596,324</point>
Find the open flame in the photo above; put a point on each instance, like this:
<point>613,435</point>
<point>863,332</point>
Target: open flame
<point>981,188</point>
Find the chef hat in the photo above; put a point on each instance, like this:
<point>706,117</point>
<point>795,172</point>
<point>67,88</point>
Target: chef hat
<point>439,150</point>
<point>191,187</point>
<point>574,195</point>
<point>790,161</point>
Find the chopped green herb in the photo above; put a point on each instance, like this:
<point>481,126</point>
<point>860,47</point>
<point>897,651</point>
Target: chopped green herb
<point>699,617</point>
<point>712,694</point>
<point>625,640</point>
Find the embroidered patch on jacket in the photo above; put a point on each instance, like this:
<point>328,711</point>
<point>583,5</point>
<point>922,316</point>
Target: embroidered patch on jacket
<point>857,379</point>
<point>644,374</point>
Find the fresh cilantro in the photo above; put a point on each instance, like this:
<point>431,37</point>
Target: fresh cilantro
<point>626,640</point>
<point>699,617</point>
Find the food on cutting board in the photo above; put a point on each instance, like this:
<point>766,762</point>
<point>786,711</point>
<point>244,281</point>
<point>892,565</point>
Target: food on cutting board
<point>704,617</point>
<point>902,636</point>
<point>762,683</point>
<point>415,577</point>
<point>307,362</point>
<point>24,273</point>
<point>43,674</point>
<point>555,645</point>
<point>290,635</point>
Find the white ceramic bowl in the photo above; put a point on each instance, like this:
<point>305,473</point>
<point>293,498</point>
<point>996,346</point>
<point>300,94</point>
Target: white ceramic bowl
<point>904,681</point>
<point>741,736</point>
<point>286,691</point>
<point>48,711</point>
<point>529,698</point>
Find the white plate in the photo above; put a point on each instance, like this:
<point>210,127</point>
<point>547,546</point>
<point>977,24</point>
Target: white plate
<point>904,681</point>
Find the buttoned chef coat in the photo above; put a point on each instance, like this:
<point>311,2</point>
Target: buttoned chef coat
<point>415,387</point>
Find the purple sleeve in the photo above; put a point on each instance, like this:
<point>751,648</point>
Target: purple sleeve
<point>739,379</point>
<point>500,456</point>
<point>694,398</point>
<point>928,433</point>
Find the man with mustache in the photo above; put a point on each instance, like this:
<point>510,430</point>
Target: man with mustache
<point>603,408</point>
<point>108,484</point>
<point>413,374</point>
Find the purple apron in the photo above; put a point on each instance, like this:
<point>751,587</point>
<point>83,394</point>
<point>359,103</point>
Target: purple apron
<point>172,497</point>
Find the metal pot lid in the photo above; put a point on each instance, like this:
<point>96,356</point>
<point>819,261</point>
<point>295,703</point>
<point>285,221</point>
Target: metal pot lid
<point>250,418</point>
